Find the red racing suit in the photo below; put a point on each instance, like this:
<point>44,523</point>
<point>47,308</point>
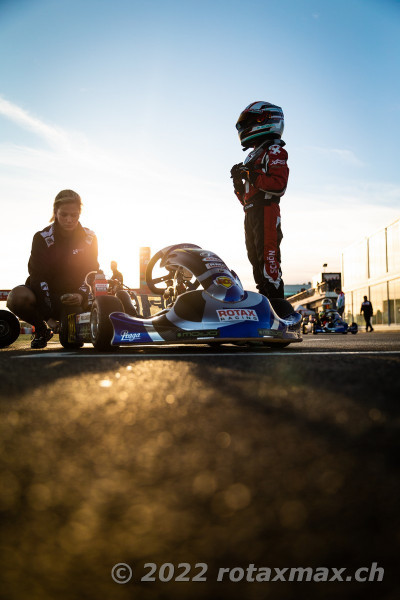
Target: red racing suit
<point>265,181</point>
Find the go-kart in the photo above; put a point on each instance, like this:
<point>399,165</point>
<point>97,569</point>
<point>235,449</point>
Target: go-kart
<point>333,323</point>
<point>219,313</point>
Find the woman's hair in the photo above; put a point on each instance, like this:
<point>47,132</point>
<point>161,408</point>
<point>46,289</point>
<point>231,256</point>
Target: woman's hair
<point>63,197</point>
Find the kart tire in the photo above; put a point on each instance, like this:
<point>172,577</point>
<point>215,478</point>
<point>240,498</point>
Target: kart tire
<point>9,328</point>
<point>63,335</point>
<point>129,307</point>
<point>102,331</point>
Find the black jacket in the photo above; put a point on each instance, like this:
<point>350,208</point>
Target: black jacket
<point>59,264</point>
<point>366,308</point>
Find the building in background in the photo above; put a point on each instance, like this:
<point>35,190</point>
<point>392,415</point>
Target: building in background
<point>144,259</point>
<point>371,267</point>
<point>322,286</point>
<point>292,289</point>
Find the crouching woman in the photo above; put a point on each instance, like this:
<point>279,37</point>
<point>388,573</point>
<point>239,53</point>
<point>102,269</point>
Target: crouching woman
<point>62,255</point>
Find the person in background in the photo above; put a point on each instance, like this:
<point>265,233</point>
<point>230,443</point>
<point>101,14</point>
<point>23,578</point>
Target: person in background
<point>115,273</point>
<point>62,255</point>
<point>366,308</point>
<point>340,302</point>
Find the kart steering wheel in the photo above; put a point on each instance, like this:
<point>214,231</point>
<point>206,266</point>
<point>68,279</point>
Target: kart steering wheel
<point>163,279</point>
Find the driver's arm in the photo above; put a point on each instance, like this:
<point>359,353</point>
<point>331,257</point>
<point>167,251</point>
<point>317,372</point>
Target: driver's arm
<point>274,176</point>
<point>238,185</point>
<point>39,272</point>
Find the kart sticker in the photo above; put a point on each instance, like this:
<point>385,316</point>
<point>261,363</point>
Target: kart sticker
<point>71,328</point>
<point>197,334</point>
<point>213,259</point>
<point>129,337</point>
<point>267,333</point>
<point>237,314</point>
<point>225,281</point>
<point>83,318</point>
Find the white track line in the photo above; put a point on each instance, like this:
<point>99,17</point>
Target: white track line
<point>166,356</point>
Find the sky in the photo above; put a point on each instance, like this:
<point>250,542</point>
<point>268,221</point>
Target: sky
<point>133,105</point>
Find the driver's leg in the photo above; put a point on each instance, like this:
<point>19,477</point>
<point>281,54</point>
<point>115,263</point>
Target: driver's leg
<point>267,236</point>
<point>250,230</point>
<point>23,303</point>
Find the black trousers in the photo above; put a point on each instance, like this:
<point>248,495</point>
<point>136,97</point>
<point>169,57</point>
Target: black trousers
<point>367,319</point>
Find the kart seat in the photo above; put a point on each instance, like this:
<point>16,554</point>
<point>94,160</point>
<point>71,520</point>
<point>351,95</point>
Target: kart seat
<point>190,306</point>
<point>282,307</point>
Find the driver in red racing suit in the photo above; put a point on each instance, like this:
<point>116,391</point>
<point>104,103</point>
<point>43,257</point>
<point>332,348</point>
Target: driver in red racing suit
<point>259,182</point>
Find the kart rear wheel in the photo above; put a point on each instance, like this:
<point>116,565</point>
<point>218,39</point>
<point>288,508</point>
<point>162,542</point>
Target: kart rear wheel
<point>101,328</point>
<point>9,328</point>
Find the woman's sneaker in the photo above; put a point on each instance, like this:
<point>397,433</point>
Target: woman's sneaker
<point>42,335</point>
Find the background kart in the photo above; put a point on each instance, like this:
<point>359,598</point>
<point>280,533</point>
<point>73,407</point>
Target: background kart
<point>334,324</point>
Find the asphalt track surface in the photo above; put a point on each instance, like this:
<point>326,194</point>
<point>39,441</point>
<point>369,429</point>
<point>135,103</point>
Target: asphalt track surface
<point>231,458</point>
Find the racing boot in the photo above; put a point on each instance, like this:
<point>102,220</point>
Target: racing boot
<point>41,336</point>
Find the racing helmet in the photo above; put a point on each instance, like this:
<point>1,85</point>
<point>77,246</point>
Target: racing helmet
<point>327,304</point>
<point>258,122</point>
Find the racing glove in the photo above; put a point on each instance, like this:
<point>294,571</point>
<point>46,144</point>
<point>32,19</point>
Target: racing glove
<point>237,174</point>
<point>237,171</point>
<point>241,172</point>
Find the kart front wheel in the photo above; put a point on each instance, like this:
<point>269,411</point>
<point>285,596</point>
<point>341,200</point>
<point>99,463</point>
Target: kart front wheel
<point>101,329</point>
<point>9,328</point>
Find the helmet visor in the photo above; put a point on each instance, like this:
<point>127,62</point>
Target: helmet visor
<point>249,119</point>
